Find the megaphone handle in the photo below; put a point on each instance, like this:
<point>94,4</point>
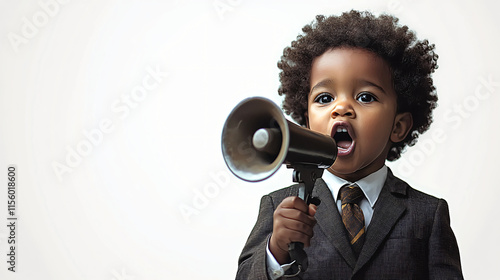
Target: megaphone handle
<point>306,175</point>
<point>299,256</point>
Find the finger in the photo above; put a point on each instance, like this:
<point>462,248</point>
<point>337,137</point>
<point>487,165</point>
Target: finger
<point>285,236</point>
<point>294,215</point>
<point>295,236</point>
<point>295,225</point>
<point>294,202</point>
<point>299,230</point>
<point>312,209</point>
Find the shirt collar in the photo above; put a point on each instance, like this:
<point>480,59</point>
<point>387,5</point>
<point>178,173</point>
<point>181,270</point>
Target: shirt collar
<point>371,185</point>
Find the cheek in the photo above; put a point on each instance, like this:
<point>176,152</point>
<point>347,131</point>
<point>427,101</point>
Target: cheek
<point>315,126</point>
<point>319,120</point>
<point>377,128</point>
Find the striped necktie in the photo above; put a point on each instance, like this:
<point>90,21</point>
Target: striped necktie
<point>352,215</point>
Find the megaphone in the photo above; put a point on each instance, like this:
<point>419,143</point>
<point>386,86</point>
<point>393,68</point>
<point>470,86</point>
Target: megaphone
<point>257,139</point>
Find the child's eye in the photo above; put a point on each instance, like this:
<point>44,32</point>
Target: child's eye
<point>323,98</point>
<point>366,97</point>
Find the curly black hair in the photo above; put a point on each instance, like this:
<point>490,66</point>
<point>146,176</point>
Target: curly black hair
<point>411,61</point>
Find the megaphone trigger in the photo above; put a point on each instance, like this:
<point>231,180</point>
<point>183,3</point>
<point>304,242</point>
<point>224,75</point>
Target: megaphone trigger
<point>315,200</point>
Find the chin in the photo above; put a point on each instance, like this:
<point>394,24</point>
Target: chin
<point>342,169</point>
<point>345,169</point>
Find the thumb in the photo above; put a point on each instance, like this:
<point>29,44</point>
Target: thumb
<point>312,209</point>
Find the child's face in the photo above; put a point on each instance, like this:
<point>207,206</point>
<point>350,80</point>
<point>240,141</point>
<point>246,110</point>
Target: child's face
<point>353,100</point>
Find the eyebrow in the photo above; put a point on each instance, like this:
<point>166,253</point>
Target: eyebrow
<point>372,84</point>
<point>323,83</point>
<point>328,82</point>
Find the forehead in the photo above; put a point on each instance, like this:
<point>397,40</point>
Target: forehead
<point>351,64</point>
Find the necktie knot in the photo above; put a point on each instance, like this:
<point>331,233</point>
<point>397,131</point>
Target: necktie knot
<point>351,194</point>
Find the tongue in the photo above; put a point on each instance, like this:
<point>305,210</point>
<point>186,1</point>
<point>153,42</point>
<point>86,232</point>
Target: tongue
<point>344,144</point>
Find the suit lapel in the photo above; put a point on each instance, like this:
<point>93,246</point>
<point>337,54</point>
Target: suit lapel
<point>388,209</point>
<point>330,222</point>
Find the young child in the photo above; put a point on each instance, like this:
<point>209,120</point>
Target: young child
<point>366,82</point>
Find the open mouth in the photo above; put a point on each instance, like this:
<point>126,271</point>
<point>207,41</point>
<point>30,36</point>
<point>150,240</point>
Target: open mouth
<point>341,133</point>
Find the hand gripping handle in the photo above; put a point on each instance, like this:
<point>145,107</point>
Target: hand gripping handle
<point>306,175</point>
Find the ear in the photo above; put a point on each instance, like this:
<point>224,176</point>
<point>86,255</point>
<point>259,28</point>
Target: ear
<point>306,116</point>
<point>403,123</point>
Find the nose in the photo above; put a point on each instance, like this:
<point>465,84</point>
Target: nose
<point>343,108</point>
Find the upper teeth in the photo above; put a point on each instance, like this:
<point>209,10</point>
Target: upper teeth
<point>341,129</point>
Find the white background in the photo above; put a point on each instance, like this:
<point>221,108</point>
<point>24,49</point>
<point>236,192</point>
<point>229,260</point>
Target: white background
<point>116,211</point>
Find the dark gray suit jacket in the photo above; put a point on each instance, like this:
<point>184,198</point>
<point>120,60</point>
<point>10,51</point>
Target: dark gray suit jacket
<point>409,237</point>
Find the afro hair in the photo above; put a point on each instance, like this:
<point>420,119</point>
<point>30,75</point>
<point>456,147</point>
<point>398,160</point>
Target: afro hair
<point>411,61</point>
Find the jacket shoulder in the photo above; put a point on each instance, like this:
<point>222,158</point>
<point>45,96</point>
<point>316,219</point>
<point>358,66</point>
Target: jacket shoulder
<point>400,187</point>
<point>284,192</point>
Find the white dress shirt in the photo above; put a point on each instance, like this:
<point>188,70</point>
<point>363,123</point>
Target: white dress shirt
<point>371,186</point>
